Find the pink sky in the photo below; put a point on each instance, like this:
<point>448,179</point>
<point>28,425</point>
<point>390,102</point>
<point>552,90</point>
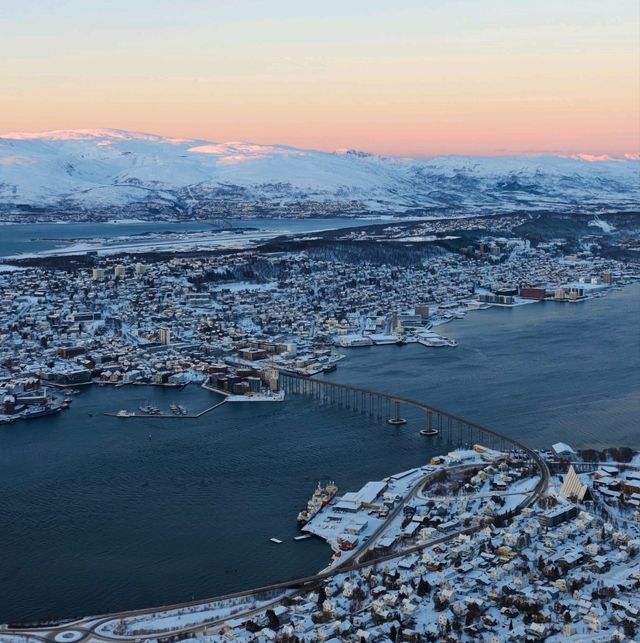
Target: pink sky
<point>414,79</point>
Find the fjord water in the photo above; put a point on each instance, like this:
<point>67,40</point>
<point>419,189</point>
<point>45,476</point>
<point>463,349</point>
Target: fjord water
<point>38,237</point>
<point>541,373</point>
<point>103,514</point>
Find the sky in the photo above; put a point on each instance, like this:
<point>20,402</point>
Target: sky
<point>402,77</point>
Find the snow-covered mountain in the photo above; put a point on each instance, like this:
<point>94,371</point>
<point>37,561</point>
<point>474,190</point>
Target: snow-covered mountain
<point>113,170</point>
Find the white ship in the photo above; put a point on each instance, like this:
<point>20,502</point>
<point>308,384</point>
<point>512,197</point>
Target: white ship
<point>352,341</point>
<point>379,338</point>
<point>433,340</point>
<point>321,497</point>
<point>258,397</point>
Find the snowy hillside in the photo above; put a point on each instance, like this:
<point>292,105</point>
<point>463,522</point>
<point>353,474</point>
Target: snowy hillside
<point>112,170</point>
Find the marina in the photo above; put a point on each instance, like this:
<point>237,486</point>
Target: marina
<point>150,411</point>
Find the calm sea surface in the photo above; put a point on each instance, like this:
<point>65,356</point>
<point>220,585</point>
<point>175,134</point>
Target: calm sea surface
<point>103,514</point>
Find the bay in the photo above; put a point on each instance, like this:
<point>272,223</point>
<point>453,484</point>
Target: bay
<point>103,514</point>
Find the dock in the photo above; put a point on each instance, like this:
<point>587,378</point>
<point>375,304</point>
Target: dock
<point>165,416</point>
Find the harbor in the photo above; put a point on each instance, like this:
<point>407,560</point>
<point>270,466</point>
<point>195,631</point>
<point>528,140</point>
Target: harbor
<point>30,402</point>
<point>175,481</point>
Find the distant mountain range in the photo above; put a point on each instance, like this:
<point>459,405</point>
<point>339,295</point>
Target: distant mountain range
<point>115,172</point>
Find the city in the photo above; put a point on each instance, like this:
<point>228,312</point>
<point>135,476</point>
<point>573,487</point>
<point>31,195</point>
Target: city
<point>239,323</point>
<point>319,322</point>
<point>176,320</point>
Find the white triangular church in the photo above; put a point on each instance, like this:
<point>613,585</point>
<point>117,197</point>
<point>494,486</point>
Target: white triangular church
<point>574,488</point>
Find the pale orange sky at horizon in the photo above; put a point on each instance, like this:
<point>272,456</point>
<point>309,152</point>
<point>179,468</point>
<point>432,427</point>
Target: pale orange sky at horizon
<point>416,79</point>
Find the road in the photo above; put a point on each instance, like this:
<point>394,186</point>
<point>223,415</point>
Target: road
<point>370,544</point>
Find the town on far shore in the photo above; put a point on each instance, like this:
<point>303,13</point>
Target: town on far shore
<point>232,319</point>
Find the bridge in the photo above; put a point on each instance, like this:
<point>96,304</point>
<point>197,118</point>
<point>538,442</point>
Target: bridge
<point>444,427</point>
<point>381,406</point>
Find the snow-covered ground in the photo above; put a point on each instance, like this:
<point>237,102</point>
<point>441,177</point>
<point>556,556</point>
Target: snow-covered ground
<point>159,243</point>
<point>169,620</point>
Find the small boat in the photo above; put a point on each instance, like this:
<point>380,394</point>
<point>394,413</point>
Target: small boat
<point>303,537</point>
<point>277,541</point>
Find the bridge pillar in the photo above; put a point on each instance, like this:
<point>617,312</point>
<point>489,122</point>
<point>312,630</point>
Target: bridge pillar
<point>397,420</point>
<point>430,429</point>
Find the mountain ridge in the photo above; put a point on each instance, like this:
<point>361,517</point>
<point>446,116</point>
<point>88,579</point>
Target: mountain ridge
<point>110,170</point>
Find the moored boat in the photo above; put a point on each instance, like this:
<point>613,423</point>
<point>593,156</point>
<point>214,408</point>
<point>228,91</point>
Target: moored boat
<point>321,497</point>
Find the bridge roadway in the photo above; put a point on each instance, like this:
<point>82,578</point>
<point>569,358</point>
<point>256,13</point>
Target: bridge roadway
<point>379,405</point>
<point>87,627</point>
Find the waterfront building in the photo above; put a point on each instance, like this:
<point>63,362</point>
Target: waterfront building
<point>529,292</point>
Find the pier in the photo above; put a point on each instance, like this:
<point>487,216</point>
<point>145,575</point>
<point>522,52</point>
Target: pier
<point>167,416</point>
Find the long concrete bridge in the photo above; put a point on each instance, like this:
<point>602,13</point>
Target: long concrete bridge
<point>445,427</point>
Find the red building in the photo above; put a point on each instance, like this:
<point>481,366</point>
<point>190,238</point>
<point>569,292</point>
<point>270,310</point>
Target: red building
<point>532,293</point>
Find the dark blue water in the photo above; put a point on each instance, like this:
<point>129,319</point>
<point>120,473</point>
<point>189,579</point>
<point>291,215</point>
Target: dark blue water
<point>542,373</point>
<point>103,514</point>
<point>37,237</point>
<point>98,516</point>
